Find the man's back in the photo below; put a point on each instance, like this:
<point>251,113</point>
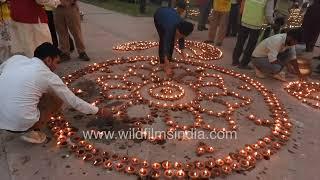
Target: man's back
<point>167,17</point>
<point>21,81</point>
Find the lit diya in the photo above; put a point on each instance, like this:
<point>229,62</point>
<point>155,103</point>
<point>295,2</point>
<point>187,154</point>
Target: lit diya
<point>180,174</point>
<point>119,166</point>
<point>194,174</point>
<point>156,166</point>
<point>143,172</point>
<point>88,157</point>
<point>97,161</point>
<point>168,173</point>
<point>166,165</point>
<point>108,164</point>
<point>130,170</point>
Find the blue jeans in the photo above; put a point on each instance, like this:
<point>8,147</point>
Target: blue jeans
<point>264,65</point>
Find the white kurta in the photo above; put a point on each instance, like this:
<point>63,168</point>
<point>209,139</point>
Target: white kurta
<point>23,81</point>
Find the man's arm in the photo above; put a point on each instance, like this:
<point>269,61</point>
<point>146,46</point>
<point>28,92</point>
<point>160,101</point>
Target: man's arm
<point>68,97</point>
<point>50,3</point>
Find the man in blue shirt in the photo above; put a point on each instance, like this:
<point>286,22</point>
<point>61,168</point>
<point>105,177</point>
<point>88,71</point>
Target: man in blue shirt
<point>170,26</point>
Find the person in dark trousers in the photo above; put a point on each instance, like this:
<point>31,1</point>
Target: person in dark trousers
<point>253,18</point>
<point>170,27</point>
<point>204,9</point>
<point>311,25</point>
<point>234,18</point>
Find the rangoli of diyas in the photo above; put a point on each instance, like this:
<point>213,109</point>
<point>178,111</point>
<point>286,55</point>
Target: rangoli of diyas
<point>199,50</point>
<point>305,91</point>
<point>165,95</point>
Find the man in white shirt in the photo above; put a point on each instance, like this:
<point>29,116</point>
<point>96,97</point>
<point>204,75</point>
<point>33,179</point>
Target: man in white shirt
<point>29,91</point>
<point>275,52</point>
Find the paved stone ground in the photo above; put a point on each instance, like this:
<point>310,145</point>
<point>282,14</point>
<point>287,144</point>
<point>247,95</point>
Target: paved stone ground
<point>103,29</point>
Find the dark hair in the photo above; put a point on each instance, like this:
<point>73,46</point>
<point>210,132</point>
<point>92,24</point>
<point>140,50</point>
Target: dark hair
<point>181,4</point>
<point>295,33</point>
<point>46,50</point>
<point>185,28</point>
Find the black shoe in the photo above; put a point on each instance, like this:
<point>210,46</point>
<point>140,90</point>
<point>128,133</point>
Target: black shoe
<point>245,67</point>
<point>317,57</point>
<point>83,56</point>
<point>209,42</point>
<point>64,57</point>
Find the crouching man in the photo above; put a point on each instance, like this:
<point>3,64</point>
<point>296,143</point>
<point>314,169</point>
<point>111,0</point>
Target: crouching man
<point>30,93</point>
<point>275,52</point>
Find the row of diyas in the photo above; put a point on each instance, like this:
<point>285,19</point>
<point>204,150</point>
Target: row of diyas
<point>200,50</point>
<point>304,90</point>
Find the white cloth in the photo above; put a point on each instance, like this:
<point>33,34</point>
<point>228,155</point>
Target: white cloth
<point>27,37</point>
<point>22,83</point>
<point>272,46</point>
<point>49,3</point>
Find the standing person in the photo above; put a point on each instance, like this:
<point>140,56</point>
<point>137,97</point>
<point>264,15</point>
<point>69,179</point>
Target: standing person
<point>255,14</point>
<point>52,28</point>
<point>33,93</point>
<point>275,52</point>
<point>234,18</point>
<point>5,47</point>
<point>204,9</point>
<point>170,27</point>
<point>67,18</point>
<point>311,25</point>
<point>29,26</point>
<point>219,21</point>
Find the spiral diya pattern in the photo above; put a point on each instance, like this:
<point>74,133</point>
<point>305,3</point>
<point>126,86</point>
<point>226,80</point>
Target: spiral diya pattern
<point>199,50</point>
<point>166,91</point>
<point>137,92</point>
<point>305,91</point>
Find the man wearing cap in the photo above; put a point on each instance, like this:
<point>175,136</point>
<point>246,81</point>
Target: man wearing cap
<point>30,93</point>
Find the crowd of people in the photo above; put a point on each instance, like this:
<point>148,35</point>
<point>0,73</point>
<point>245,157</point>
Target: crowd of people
<point>42,33</point>
<point>29,23</point>
<point>258,25</point>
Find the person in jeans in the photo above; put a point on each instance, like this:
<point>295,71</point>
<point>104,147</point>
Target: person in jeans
<point>170,27</point>
<point>275,52</point>
<point>32,93</point>
<point>255,14</point>
<point>219,21</point>
<point>67,18</point>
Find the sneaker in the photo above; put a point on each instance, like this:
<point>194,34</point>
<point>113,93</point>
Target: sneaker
<point>35,137</point>
<point>83,56</point>
<point>64,57</point>
<point>280,76</point>
<point>259,74</point>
